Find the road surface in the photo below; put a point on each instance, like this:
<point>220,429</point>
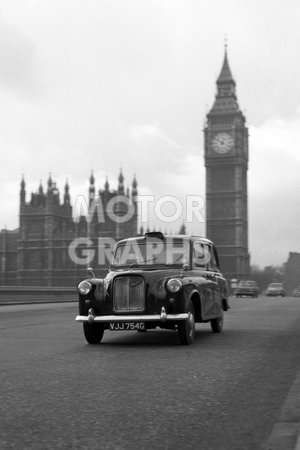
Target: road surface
<point>145,390</point>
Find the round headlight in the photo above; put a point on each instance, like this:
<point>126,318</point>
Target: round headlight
<point>174,285</point>
<point>84,287</point>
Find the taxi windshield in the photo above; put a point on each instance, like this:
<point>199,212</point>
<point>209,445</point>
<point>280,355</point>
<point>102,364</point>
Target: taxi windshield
<point>151,252</point>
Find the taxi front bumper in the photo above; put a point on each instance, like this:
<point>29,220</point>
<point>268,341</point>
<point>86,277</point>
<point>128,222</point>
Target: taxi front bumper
<point>162,317</point>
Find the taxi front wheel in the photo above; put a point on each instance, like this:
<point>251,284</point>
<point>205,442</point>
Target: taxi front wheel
<point>186,328</point>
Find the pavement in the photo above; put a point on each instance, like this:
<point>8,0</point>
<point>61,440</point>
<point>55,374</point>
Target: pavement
<point>298,443</point>
<point>285,434</point>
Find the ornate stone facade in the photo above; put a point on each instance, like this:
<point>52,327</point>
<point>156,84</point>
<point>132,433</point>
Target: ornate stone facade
<point>51,247</point>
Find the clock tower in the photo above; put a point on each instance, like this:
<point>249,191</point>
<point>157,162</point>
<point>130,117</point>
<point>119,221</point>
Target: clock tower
<point>226,163</point>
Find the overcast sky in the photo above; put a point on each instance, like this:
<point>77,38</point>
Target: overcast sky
<point>104,84</point>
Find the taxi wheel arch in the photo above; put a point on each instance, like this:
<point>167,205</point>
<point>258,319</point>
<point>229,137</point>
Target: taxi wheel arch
<point>197,304</point>
<point>93,332</point>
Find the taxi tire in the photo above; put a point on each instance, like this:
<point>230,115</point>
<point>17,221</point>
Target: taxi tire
<point>93,332</point>
<point>217,324</point>
<point>186,328</point>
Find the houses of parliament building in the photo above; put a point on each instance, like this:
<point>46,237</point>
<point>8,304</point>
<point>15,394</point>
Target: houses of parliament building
<point>38,252</point>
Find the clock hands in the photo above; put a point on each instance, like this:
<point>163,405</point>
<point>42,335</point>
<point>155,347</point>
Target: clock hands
<point>222,143</point>
<point>219,140</point>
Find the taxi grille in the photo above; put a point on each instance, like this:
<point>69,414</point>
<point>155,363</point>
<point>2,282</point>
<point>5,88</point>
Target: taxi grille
<point>129,294</point>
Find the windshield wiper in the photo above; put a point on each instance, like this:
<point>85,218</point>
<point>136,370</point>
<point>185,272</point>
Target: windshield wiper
<point>143,261</point>
<point>177,259</point>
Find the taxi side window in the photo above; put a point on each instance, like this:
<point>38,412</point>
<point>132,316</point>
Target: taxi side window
<point>208,257</point>
<point>199,259</point>
<point>212,259</point>
<point>213,265</point>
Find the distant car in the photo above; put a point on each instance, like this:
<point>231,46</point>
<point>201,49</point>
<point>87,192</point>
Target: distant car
<point>275,290</point>
<point>296,292</point>
<point>247,288</point>
<point>170,282</point>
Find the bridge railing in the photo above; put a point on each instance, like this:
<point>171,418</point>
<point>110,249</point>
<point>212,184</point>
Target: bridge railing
<point>13,295</point>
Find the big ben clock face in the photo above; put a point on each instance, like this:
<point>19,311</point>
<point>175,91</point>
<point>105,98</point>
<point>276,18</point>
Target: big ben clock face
<point>222,143</point>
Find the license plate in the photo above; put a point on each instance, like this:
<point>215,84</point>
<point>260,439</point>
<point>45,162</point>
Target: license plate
<point>126,326</point>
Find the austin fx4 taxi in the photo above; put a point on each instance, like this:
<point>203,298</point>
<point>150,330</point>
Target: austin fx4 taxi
<point>156,280</point>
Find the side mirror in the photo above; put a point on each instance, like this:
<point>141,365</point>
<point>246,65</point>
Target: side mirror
<point>185,267</point>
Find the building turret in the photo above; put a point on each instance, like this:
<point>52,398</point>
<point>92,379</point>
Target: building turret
<point>22,192</point>
<point>41,191</point>
<point>66,194</point>
<point>50,183</point>
<point>51,198</point>
<point>134,191</point>
<point>121,183</point>
<point>92,189</point>
<point>134,200</point>
<point>55,193</point>
<point>54,189</point>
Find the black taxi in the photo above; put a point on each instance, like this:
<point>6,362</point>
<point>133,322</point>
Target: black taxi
<point>155,280</point>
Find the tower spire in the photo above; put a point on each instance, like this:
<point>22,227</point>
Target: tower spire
<point>22,191</point>
<point>121,182</point>
<point>225,42</point>
<point>225,74</point>
<point>50,183</point>
<point>92,188</point>
<point>67,194</point>
<point>106,185</point>
<point>226,99</point>
<point>92,178</point>
<point>23,183</point>
<point>134,191</point>
<point>41,191</point>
